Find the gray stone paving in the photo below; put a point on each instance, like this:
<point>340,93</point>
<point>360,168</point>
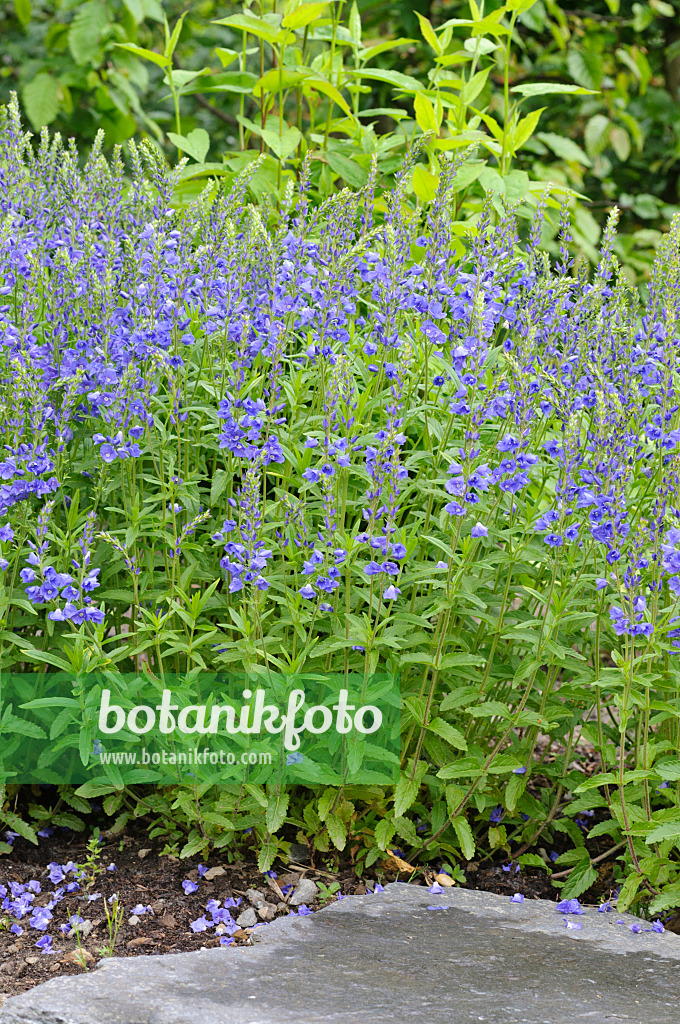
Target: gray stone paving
<point>385,958</point>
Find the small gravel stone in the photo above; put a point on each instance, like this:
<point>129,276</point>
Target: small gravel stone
<point>305,892</point>
<point>256,897</point>
<point>143,853</point>
<point>133,919</point>
<point>266,912</point>
<point>247,919</point>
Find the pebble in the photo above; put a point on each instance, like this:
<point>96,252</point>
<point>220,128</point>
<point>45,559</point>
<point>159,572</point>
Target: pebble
<point>143,853</point>
<point>266,912</point>
<point>256,897</point>
<point>133,919</point>
<point>305,892</point>
<point>247,919</point>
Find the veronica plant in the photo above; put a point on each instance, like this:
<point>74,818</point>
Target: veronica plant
<point>344,443</point>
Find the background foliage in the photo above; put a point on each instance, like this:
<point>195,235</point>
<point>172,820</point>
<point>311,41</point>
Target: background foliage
<point>395,63</point>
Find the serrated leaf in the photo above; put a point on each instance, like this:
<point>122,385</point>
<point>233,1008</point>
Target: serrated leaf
<point>277,808</point>
<point>40,99</point>
<point>669,830</point>
<point>448,732</point>
<point>86,30</point>
<point>384,833</point>
<point>407,789</point>
<point>580,880</point>
<point>465,836</point>
<point>337,830</point>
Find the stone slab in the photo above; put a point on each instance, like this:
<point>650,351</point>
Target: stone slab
<point>387,957</point>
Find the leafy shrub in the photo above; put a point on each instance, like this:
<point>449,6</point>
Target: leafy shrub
<point>356,81</point>
<point>342,437</point>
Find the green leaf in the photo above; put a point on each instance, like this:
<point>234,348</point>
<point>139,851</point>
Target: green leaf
<point>349,170</point>
<point>550,89</point>
<point>86,31</point>
<point>140,51</point>
<point>384,832</point>
<point>526,128</point>
<point>277,808</point>
<point>447,732</point>
<point>23,11</point>
<point>629,891</point>
<point>424,184</point>
<point>196,143</point>
<point>565,148</point>
<point>337,830</point>
<point>580,880</point>
<point>668,769</point>
<point>585,67</point>
<point>40,98</point>
<point>668,899</point>
<point>283,145</point>
<point>254,26</point>
<point>429,34</point>
<point>596,134</point>
<point>532,860</point>
<point>465,836</point>
<point>172,40</point>
<point>620,142</point>
<point>407,789</point>
<point>267,854</point>
<point>136,9</point>
<point>403,82</point>
<point>354,23</point>
<point>303,15</point>
<point>17,824</point>
<point>669,830</point>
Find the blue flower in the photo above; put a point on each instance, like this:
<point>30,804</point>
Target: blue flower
<point>570,907</point>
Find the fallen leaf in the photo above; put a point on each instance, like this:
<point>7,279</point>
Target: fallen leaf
<point>394,863</point>
<point>141,941</point>
<point>78,956</point>
<point>214,873</point>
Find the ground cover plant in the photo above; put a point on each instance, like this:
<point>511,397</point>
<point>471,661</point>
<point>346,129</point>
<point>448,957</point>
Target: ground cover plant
<point>342,438</point>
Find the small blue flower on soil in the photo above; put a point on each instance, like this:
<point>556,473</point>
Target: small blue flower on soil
<point>189,886</point>
<point>201,924</point>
